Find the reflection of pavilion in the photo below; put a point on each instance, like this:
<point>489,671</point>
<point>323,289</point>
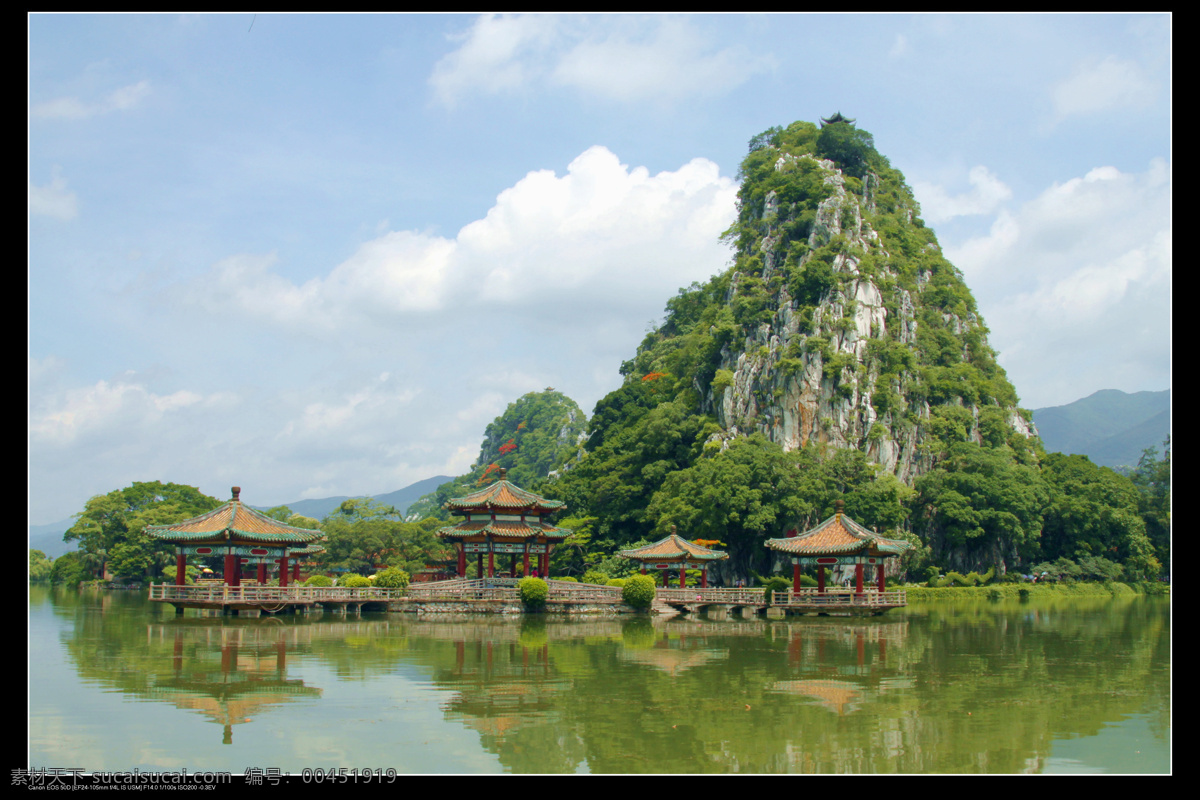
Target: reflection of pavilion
<point>248,678</point>
<point>671,660</point>
<point>838,696</point>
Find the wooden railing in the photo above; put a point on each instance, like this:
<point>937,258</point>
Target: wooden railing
<point>739,596</point>
<point>220,593</point>
<point>845,597</point>
<point>505,589</point>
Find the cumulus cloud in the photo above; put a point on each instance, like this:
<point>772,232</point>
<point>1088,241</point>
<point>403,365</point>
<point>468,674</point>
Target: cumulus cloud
<point>1081,274</point>
<point>72,108</point>
<point>54,200</point>
<point>600,237</point>
<point>622,59</point>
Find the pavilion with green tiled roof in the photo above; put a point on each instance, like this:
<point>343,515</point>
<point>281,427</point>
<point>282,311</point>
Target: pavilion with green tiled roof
<point>239,534</point>
<point>675,552</point>
<point>503,518</point>
<point>838,540</point>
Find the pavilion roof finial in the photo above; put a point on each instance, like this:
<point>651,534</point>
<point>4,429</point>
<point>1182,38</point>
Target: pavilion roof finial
<point>503,474</point>
<point>237,490</point>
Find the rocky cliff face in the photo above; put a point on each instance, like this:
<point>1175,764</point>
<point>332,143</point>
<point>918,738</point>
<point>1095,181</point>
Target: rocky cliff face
<point>829,367</point>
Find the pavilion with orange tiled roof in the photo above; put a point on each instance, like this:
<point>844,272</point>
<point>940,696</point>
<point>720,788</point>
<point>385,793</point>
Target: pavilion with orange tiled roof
<point>838,540</point>
<point>675,552</point>
<point>241,535</point>
<point>503,518</point>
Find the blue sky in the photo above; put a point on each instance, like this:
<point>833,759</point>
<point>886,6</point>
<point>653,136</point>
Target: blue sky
<point>315,255</point>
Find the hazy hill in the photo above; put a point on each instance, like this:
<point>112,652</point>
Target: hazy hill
<point>1110,427</point>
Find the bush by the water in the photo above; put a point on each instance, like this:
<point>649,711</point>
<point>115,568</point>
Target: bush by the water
<point>319,580</point>
<point>391,578</point>
<point>533,591</point>
<point>618,582</point>
<point>638,591</point>
<point>353,581</point>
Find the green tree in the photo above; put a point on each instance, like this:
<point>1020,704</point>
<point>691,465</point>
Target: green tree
<point>979,508</point>
<point>40,566</point>
<point>1153,481</point>
<point>112,525</point>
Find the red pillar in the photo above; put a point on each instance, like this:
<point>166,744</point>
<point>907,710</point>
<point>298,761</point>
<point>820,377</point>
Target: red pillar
<point>491,564</point>
<point>704,578</point>
<point>795,579</point>
<point>230,569</point>
<point>879,581</point>
<point>180,569</point>
<point>296,571</point>
<point>858,578</point>
<point>462,560</point>
<point>682,578</point>
<point>283,572</point>
<point>526,562</point>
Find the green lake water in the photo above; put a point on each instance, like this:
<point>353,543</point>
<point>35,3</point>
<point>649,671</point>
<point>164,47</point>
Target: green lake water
<point>1060,686</point>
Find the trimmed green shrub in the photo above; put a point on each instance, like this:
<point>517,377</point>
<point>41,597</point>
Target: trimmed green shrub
<point>353,581</point>
<point>618,582</point>
<point>533,591</point>
<point>319,580</point>
<point>566,578</point>
<point>391,578</point>
<point>775,584</point>
<point>638,591</point>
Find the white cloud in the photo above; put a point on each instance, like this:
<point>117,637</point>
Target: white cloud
<point>987,193</point>
<point>1095,86</point>
<point>617,58</point>
<point>54,200</point>
<point>103,407</point>
<point>900,46</point>
<point>123,99</point>
<point>576,246</point>
<point>499,53</point>
<point>1076,284</point>
<point>674,61</point>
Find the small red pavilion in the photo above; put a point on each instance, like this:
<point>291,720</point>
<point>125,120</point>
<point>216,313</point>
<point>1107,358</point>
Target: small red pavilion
<point>504,519</point>
<point>839,541</point>
<point>675,552</point>
<point>239,534</point>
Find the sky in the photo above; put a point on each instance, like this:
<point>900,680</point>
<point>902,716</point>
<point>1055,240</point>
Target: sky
<point>315,255</point>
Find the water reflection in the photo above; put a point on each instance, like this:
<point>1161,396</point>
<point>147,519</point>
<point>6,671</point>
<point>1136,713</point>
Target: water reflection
<point>952,688</point>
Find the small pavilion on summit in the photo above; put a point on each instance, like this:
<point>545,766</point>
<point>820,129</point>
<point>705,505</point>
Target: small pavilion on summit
<point>675,552</point>
<point>240,535</point>
<point>839,541</point>
<point>504,519</point>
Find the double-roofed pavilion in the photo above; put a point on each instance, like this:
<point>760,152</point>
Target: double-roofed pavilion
<point>839,541</point>
<point>502,518</point>
<point>675,552</point>
<point>238,533</point>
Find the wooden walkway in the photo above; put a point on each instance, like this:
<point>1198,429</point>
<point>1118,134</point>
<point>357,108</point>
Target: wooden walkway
<point>806,601</point>
<point>272,599</point>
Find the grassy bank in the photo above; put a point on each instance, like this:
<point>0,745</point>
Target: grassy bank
<point>1013,591</point>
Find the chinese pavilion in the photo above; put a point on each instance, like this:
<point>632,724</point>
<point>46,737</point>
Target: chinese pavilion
<point>239,534</point>
<point>504,519</point>
<point>675,552</point>
<point>839,541</point>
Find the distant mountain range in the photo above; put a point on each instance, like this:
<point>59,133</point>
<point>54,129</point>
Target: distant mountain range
<point>1110,427</point>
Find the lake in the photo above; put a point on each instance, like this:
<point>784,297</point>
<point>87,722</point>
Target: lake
<point>1076,685</point>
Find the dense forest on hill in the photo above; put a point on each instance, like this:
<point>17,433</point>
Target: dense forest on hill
<point>840,356</point>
